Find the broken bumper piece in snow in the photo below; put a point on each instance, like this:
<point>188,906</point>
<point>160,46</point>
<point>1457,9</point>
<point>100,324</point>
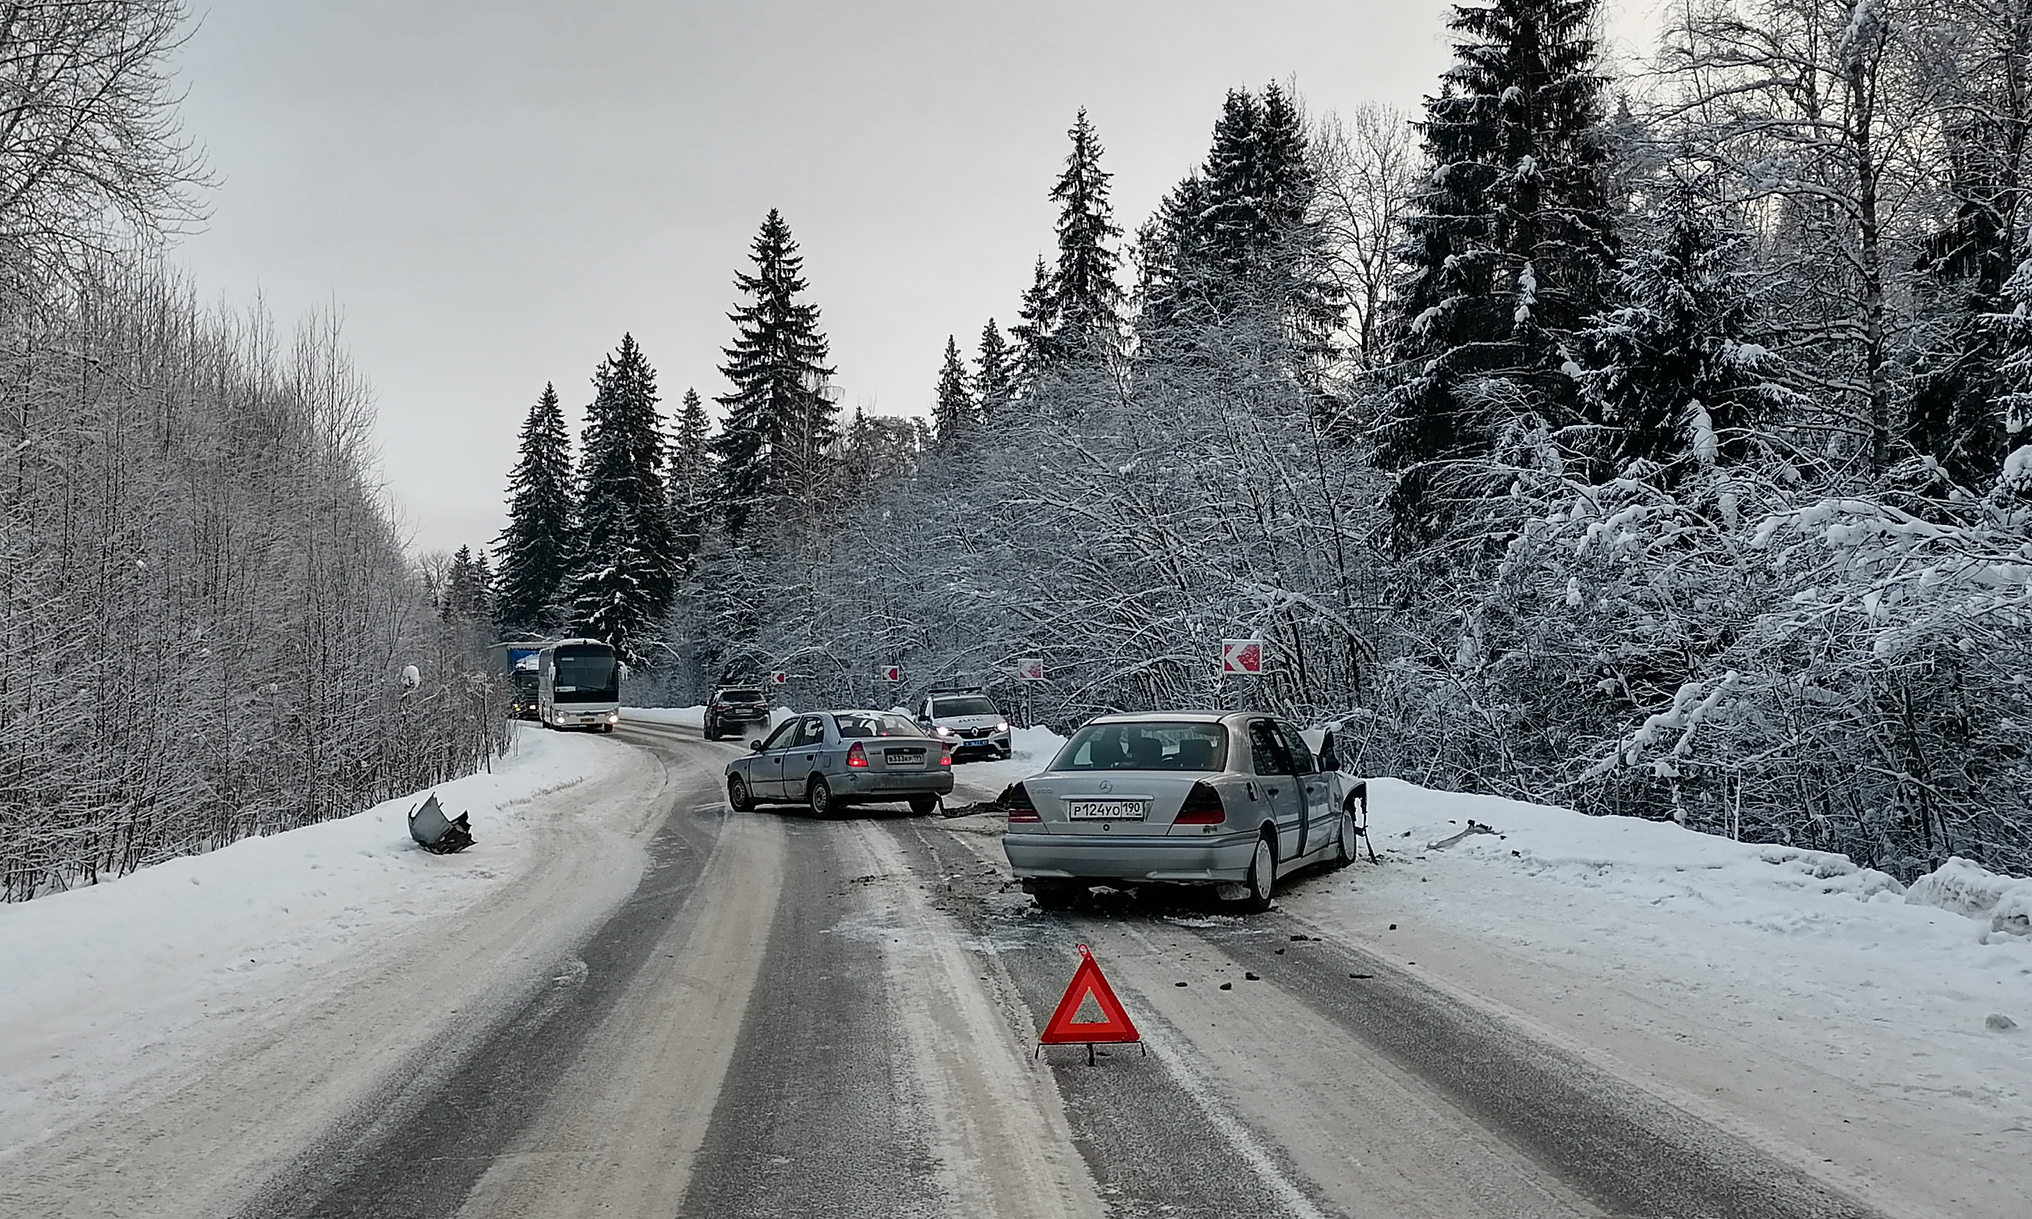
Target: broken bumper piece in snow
<point>435,832</point>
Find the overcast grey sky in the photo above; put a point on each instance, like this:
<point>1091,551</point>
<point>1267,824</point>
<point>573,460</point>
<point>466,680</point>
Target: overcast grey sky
<point>492,193</point>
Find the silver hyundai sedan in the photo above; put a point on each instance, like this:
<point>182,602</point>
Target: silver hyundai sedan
<point>830,759</point>
<point>1234,799</point>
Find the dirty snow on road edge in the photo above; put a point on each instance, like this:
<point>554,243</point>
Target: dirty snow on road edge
<point>112,984</point>
<point>1780,991</point>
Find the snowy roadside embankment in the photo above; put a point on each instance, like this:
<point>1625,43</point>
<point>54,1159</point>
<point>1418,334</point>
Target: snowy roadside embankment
<point>110,984</point>
<point>1030,750</point>
<point>688,717</point>
<point>1786,992</point>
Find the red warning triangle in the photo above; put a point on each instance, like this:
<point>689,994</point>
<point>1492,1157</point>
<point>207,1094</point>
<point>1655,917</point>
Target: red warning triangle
<point>1114,1024</point>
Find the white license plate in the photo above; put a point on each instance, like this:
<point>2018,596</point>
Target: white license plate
<point>1102,810</point>
<point>904,761</point>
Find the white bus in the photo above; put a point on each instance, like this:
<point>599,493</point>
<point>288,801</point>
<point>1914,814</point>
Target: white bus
<point>578,685</point>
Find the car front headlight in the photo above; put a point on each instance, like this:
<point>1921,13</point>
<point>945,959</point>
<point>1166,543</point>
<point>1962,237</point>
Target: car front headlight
<point>944,730</point>
<point>1003,726</point>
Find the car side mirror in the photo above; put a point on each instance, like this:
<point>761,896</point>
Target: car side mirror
<point>755,745</point>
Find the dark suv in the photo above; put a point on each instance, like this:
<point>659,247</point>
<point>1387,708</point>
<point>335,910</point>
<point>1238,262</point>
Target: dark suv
<point>734,708</point>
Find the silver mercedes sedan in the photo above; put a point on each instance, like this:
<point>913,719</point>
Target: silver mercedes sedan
<point>1234,799</point>
<point>830,759</point>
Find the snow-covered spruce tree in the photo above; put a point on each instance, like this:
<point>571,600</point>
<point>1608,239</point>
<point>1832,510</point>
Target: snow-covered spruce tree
<point>1679,377</point>
<point>1509,251</point>
<point>625,552</point>
<point>780,419</point>
<point>1240,232</point>
<point>954,412</point>
<point>994,383</point>
<point>466,596</point>
<point>1086,301</point>
<point>1036,322</point>
<point>691,476</point>
<point>533,553</point>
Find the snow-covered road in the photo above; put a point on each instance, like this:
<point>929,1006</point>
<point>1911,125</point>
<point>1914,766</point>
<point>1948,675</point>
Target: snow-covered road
<point>628,1000</point>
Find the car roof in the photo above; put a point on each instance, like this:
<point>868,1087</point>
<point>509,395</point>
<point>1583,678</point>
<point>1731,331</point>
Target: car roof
<point>1171,717</point>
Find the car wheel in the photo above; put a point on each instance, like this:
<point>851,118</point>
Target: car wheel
<point>1262,882</point>
<point>820,796</point>
<point>737,794</point>
<point>710,732</point>
<point>923,803</point>
<point>1344,849</point>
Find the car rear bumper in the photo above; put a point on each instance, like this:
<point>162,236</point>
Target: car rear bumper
<point>1222,860</point>
<point>890,785</point>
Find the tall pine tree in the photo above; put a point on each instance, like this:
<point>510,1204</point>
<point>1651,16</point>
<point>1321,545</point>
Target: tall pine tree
<point>1036,323</point>
<point>533,553</point>
<point>953,411</point>
<point>1086,302</point>
<point>780,418</point>
<point>691,476</point>
<point>1510,250</point>
<point>626,555</point>
<point>1238,233</point>
<point>994,373</point>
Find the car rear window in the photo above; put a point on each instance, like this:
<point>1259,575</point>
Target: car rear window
<point>740,696</point>
<point>1156,745</point>
<point>971,705</point>
<point>864,726</point>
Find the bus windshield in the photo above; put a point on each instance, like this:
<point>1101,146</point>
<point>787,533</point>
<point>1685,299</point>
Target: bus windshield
<point>585,675</point>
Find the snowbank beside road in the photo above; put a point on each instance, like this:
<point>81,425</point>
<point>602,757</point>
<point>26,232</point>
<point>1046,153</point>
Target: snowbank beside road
<point>1030,750</point>
<point>676,717</point>
<point>109,984</point>
<point>1787,992</point>
<point>688,717</point>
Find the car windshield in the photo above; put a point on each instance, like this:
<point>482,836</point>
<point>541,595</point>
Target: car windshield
<point>1155,745</point>
<point>869,724</point>
<point>740,696</point>
<point>973,704</point>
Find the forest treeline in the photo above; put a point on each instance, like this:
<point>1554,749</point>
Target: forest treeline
<point>1646,444</point>
<point>209,627</point>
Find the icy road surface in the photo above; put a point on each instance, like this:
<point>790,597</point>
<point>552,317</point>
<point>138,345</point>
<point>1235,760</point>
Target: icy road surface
<point>630,1001</point>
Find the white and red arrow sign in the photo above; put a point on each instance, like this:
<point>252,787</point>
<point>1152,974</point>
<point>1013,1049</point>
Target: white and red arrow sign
<point>1241,656</point>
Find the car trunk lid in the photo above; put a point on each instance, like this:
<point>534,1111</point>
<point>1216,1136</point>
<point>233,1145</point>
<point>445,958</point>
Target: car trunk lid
<point>1109,802</point>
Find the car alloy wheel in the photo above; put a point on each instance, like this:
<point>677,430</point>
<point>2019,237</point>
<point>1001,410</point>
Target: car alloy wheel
<point>820,795</point>
<point>737,794</point>
<point>1262,882</point>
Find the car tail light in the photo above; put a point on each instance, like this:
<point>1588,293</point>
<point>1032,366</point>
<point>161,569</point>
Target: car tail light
<point>856,756</point>
<point>945,757</point>
<point>1202,807</point>
<point>1021,810</point>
